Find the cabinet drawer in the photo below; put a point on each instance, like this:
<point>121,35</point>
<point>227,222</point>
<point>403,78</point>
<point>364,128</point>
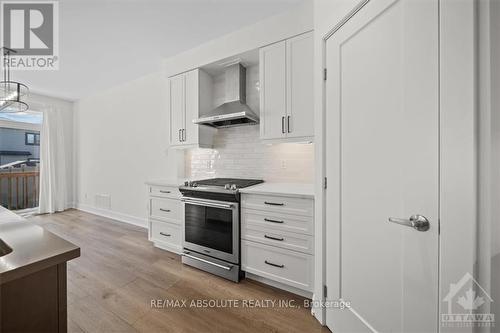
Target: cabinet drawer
<point>283,239</point>
<point>167,233</point>
<point>278,204</point>
<point>277,221</point>
<point>164,191</point>
<point>165,209</point>
<point>288,267</point>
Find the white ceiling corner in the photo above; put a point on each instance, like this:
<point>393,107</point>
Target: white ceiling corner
<point>104,43</point>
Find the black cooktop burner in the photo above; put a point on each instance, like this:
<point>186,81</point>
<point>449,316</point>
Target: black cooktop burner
<point>240,183</point>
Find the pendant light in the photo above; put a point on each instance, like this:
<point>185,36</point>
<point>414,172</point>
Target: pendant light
<point>12,93</point>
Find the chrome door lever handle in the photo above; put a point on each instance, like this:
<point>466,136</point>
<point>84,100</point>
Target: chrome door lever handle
<point>417,222</point>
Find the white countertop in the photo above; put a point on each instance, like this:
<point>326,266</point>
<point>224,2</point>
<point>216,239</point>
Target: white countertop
<point>299,190</point>
<point>7,216</point>
<point>30,248</point>
<point>165,182</point>
<point>287,189</point>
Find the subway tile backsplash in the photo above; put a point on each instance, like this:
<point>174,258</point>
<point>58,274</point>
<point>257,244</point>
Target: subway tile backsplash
<point>239,153</point>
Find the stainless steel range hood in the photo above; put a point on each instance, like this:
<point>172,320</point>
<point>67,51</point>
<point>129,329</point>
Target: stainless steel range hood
<point>234,111</point>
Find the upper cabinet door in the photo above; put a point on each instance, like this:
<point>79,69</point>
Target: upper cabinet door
<point>190,133</point>
<point>300,93</point>
<point>177,109</point>
<point>273,91</point>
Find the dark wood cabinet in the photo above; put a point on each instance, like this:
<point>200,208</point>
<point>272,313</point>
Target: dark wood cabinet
<point>35,302</point>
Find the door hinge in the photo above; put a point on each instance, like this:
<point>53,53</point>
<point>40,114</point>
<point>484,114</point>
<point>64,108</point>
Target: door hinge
<point>325,183</point>
<point>324,74</point>
<point>325,291</point>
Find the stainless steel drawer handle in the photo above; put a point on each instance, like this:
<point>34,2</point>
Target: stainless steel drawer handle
<point>165,210</point>
<point>275,265</point>
<point>166,192</point>
<point>227,268</point>
<point>274,238</point>
<point>164,234</point>
<point>273,221</point>
<point>274,203</point>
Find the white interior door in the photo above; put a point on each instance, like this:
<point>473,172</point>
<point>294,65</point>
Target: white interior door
<point>382,151</point>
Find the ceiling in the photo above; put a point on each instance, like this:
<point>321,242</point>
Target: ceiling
<point>106,42</point>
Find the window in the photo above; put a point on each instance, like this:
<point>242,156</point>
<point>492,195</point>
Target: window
<point>32,139</point>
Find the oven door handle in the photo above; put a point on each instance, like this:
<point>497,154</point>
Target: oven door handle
<point>227,268</point>
<point>207,204</point>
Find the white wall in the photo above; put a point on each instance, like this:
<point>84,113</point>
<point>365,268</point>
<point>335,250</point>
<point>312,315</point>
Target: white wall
<point>489,145</point>
<point>495,106</point>
<point>458,145</point>
<point>122,133</point>
<point>121,142</point>
<point>290,23</point>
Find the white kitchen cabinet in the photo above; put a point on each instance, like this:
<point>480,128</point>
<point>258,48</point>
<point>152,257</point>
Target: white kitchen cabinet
<point>300,92</point>
<point>164,209</point>
<point>190,97</point>
<point>277,233</point>
<point>286,90</point>
<point>290,268</point>
<point>273,91</point>
<point>167,236</point>
<point>279,204</point>
<point>278,238</point>
<point>165,217</point>
<point>177,107</point>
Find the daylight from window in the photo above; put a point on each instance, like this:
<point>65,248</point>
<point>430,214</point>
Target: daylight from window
<point>20,159</point>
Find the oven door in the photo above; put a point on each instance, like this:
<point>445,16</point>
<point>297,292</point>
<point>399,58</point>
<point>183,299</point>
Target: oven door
<point>212,227</point>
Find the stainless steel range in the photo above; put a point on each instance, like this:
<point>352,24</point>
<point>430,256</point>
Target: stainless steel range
<point>212,225</point>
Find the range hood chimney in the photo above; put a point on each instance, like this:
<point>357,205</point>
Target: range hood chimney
<point>234,111</point>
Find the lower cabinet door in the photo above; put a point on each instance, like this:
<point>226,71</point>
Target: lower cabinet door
<point>279,238</point>
<point>170,192</point>
<point>278,221</point>
<point>278,204</point>
<point>165,209</point>
<point>167,235</point>
<point>288,267</point>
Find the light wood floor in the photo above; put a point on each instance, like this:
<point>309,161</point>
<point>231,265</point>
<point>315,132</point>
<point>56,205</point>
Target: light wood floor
<point>110,287</point>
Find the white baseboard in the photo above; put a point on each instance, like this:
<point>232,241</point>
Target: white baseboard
<point>117,216</point>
